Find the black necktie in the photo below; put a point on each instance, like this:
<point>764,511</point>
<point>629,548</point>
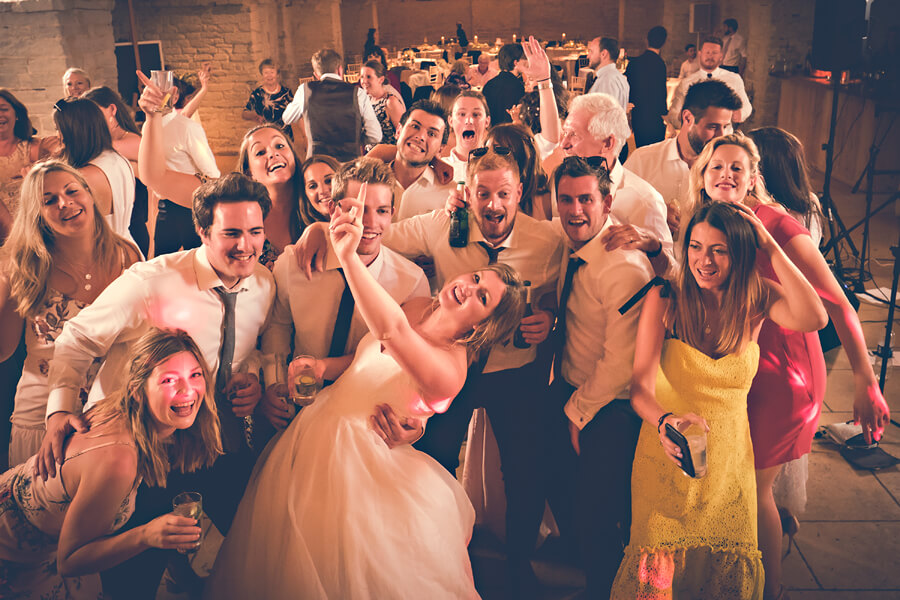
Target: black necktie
<point>232,435</point>
<point>559,341</point>
<point>342,323</point>
<point>492,252</point>
<point>709,75</point>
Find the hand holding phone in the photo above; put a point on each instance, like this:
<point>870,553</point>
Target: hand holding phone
<point>687,463</point>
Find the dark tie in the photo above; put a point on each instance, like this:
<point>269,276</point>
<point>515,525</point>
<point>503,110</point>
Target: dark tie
<point>492,252</point>
<point>709,75</point>
<point>232,434</point>
<point>342,322</point>
<point>559,334</point>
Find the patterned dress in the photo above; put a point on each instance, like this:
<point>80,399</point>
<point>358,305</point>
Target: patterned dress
<point>696,538</point>
<point>31,516</point>
<point>388,131</point>
<point>11,175</point>
<point>271,106</point>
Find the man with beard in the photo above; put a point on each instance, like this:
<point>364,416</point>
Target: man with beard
<point>602,55</point>
<point>710,57</point>
<point>423,132</point>
<point>597,126</point>
<point>666,165</point>
<point>506,381</point>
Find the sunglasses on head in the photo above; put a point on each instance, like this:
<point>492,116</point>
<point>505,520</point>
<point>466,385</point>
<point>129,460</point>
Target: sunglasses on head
<point>498,150</point>
<point>594,162</point>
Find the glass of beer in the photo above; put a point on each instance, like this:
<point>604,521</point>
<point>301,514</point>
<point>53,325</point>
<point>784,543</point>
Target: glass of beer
<point>188,504</point>
<point>302,382</point>
<point>164,80</point>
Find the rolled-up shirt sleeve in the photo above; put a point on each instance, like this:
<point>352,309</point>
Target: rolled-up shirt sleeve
<point>294,110</point>
<point>371,126</point>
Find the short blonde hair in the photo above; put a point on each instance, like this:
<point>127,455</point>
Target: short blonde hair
<point>76,71</point>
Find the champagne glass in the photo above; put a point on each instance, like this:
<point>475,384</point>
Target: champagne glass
<point>302,382</point>
<point>188,504</point>
<point>164,80</point>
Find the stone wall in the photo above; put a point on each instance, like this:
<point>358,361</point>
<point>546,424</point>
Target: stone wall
<point>40,39</point>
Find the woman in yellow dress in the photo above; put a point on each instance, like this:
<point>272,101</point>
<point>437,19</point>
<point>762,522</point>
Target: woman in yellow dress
<point>695,359</point>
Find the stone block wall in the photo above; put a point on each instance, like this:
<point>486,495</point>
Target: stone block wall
<point>40,39</point>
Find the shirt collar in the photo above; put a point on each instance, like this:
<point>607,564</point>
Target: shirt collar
<point>207,278</point>
<point>671,149</point>
<point>476,236</point>
<point>330,76</point>
<point>616,175</point>
<point>612,64</point>
<point>594,249</point>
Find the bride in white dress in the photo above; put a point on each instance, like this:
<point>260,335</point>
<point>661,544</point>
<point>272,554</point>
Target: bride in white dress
<point>331,511</point>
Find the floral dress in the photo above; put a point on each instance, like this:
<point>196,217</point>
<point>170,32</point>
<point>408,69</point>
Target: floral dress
<point>31,516</point>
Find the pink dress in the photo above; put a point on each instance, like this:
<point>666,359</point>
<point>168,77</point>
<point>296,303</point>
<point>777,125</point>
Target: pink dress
<point>786,396</point>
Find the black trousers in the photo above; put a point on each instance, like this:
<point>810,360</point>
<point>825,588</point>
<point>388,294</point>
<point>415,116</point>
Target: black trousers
<point>590,492</point>
<point>512,399</point>
<point>221,485</point>
<point>174,229</point>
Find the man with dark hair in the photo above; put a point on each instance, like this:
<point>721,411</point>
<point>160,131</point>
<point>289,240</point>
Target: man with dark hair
<point>334,111</point>
<point>734,50</point>
<point>423,132</point>
<point>602,55</point>
<point>313,312</point>
<point>690,64</point>
<point>647,79</point>
<point>666,165</point>
<point>506,89</point>
<point>710,57</point>
<point>221,295</point>
<point>267,102</point>
<point>593,429</point>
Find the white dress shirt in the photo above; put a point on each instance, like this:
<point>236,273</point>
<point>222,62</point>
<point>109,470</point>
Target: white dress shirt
<point>688,67</point>
<point>371,127</point>
<point>186,146</point>
<point>424,195</point>
<point>173,291</point>
<point>598,357</point>
<point>733,49</point>
<point>732,80</point>
<point>661,166</point>
<point>636,202</point>
<point>610,81</point>
<point>308,308</point>
<point>533,248</point>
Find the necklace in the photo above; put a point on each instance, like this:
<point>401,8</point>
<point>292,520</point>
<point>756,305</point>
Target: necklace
<point>80,274</point>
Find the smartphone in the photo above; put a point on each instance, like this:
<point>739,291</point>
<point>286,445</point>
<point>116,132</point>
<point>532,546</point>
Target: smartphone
<point>687,464</point>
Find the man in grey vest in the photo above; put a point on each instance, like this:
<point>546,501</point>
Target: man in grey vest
<point>338,117</point>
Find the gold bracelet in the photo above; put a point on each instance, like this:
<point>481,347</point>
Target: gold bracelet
<point>545,85</point>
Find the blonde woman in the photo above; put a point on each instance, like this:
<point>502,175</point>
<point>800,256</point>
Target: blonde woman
<point>60,255</point>
<point>55,535</point>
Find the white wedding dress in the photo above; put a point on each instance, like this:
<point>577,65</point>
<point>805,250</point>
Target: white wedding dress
<point>332,512</point>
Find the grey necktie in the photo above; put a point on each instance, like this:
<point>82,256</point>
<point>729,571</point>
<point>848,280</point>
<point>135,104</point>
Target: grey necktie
<point>232,435</point>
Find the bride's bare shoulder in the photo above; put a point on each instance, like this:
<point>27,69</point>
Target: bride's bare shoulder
<point>417,309</point>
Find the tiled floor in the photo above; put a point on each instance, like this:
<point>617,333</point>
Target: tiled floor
<point>849,540</point>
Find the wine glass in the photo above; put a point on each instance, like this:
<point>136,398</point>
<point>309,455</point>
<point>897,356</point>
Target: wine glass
<point>188,504</point>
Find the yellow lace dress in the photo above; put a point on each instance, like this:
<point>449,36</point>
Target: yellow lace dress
<point>696,538</point>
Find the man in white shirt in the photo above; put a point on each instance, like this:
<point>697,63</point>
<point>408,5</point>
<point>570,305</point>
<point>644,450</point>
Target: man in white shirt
<point>469,120</point>
<point>333,111</point>
<point>216,292</point>
<point>187,151</point>
<point>594,429</point>
<point>315,312</point>
<point>509,382</point>
<point>666,165</point>
<point>480,74</point>
<point>710,57</point>
<point>734,50</point>
<point>596,126</point>
<point>691,63</point>
<point>602,55</point>
<point>423,132</point>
